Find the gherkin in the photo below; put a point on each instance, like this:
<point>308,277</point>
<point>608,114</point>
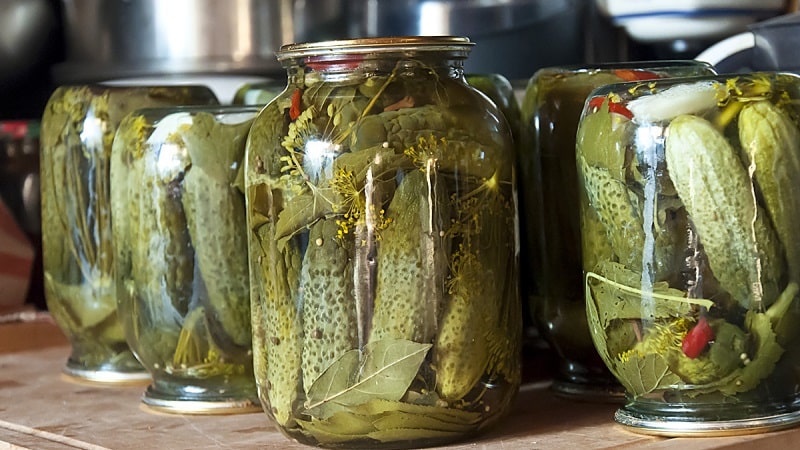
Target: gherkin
<point>408,257</point>
<point>742,247</point>
<point>771,144</point>
<point>480,329</point>
<point>329,314</point>
<point>210,197</point>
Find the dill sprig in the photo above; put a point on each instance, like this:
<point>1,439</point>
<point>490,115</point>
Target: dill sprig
<point>660,339</point>
<point>353,208</point>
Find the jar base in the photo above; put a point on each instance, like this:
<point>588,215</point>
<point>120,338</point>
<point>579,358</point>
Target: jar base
<point>589,392</point>
<point>663,426</point>
<point>166,403</point>
<point>105,377</point>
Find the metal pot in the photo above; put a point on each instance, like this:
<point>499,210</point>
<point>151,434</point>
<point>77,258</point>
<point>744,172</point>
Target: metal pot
<point>773,44</point>
<point>25,27</point>
<point>513,37</point>
<point>112,39</point>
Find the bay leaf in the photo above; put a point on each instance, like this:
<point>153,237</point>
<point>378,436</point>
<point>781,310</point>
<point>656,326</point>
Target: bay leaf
<point>386,371</point>
<point>331,434</point>
<point>390,365</point>
<point>377,418</point>
<point>405,420</point>
<point>337,378</point>
<point>452,415</point>
<point>413,434</point>
<point>299,212</point>
<point>345,427</point>
<point>344,424</point>
<point>216,147</point>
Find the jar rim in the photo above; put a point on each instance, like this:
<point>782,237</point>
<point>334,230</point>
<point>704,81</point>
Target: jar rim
<point>375,45</point>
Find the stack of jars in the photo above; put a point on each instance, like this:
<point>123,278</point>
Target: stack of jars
<point>346,253</point>
<point>375,199</point>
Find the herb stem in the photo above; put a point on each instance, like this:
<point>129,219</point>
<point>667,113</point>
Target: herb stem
<point>693,301</point>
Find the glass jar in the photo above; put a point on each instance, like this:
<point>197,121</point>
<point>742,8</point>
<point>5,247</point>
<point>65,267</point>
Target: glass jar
<point>258,93</point>
<point>77,131</point>
<point>180,250</point>
<point>501,92</point>
<point>552,250</point>
<point>689,195</point>
<point>381,211</point>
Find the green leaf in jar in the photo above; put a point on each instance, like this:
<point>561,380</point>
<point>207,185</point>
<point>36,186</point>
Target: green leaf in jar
<point>342,426</point>
<point>443,413</point>
<point>386,371</point>
<point>762,361</point>
<point>615,297</point>
<point>88,305</point>
<point>297,214</point>
<point>392,420</point>
<point>345,427</point>
<point>406,434</point>
<point>340,194</point>
<point>723,356</point>
<point>767,351</point>
<point>614,305</point>
<point>645,374</point>
<point>640,374</point>
<point>405,421</point>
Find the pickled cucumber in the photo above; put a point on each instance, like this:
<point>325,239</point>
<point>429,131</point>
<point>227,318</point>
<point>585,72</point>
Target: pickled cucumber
<point>210,197</point>
<point>409,255</point>
<point>329,314</point>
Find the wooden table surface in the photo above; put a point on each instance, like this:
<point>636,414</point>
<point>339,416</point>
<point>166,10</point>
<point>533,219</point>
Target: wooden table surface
<point>41,409</point>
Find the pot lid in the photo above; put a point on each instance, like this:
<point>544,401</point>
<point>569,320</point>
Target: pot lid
<point>777,43</point>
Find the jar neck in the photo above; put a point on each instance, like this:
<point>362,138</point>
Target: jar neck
<point>354,66</point>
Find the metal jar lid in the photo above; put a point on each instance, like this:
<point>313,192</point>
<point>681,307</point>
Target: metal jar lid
<point>459,46</point>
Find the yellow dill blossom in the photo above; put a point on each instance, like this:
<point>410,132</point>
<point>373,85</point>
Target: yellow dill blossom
<point>344,183</point>
<point>427,151</point>
<point>299,131</point>
<point>353,208</point>
<point>460,263</point>
<point>470,206</point>
<point>659,339</point>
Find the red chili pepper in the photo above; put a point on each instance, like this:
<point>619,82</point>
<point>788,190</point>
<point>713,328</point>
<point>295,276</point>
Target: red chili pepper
<point>697,338</point>
<point>294,109</point>
<point>618,108</point>
<point>635,75</point>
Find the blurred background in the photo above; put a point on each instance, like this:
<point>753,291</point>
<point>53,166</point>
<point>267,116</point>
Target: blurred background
<point>47,43</point>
